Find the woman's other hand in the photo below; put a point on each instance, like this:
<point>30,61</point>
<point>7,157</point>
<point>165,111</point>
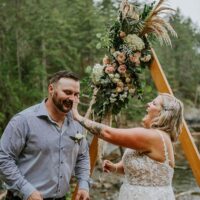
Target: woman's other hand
<point>109,166</point>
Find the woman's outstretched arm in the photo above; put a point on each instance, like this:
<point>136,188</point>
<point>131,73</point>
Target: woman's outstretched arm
<point>135,138</point>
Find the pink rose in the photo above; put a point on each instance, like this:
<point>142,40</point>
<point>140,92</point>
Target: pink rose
<point>137,54</point>
<point>135,58</point>
<point>122,69</point>
<point>109,69</point>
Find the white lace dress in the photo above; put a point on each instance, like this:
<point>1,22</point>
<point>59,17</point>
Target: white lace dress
<point>146,179</point>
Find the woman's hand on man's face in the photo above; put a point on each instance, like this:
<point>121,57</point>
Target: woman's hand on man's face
<point>75,108</point>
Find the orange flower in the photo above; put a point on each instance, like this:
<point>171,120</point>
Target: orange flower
<point>112,50</point>
<point>132,91</point>
<point>106,60</point>
<point>122,34</point>
<point>120,84</point>
<point>128,80</point>
<point>120,57</point>
<point>119,89</point>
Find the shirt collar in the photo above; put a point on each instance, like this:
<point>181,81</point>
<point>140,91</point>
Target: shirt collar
<point>42,111</point>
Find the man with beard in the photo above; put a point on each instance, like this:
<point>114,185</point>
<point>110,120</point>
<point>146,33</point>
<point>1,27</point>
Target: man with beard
<point>41,147</point>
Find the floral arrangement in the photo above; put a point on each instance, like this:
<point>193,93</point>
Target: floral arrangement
<point>129,51</point>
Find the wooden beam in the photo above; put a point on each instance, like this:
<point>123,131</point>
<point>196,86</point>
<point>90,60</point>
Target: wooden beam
<point>187,142</point>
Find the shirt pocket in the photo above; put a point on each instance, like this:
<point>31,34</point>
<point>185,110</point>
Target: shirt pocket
<point>69,143</point>
<point>70,149</point>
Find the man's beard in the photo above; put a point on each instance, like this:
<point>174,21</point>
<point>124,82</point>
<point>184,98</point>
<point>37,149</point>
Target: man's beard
<point>63,106</point>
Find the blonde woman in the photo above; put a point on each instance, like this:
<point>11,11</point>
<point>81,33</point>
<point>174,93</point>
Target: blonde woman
<point>148,162</point>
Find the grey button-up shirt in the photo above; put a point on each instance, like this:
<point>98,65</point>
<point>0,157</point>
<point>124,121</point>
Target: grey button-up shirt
<point>35,154</point>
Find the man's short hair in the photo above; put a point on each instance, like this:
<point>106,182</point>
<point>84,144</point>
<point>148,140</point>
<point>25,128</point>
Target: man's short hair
<point>54,78</point>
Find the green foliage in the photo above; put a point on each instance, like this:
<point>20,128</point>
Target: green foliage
<point>38,38</point>
<point>147,10</point>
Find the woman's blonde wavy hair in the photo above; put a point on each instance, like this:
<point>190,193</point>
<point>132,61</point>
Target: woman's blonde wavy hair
<point>170,118</point>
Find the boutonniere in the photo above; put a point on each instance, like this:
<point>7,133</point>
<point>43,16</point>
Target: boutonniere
<point>77,138</point>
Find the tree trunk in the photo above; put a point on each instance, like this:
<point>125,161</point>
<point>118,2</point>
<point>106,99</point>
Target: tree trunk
<point>18,42</point>
<point>44,65</point>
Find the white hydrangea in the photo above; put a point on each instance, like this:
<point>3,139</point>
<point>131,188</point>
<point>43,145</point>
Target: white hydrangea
<point>113,95</point>
<point>146,58</point>
<point>112,100</point>
<point>97,73</point>
<point>122,97</point>
<point>134,42</point>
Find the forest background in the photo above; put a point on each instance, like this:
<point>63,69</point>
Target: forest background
<point>40,37</point>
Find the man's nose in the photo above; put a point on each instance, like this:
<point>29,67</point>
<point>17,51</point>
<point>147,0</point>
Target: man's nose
<point>72,97</point>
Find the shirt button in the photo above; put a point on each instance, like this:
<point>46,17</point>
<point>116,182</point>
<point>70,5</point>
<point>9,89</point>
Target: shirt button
<point>61,176</point>
<point>61,162</point>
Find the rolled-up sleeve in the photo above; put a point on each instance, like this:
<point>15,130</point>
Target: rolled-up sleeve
<point>82,168</point>
<point>11,145</point>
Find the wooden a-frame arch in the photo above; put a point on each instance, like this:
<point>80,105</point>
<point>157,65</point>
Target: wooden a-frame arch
<point>188,145</point>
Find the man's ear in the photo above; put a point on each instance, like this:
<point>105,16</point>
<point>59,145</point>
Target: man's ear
<point>51,89</point>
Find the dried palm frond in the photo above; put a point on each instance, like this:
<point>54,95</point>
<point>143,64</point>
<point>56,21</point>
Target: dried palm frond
<point>159,26</point>
<point>128,10</point>
<point>123,5</point>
